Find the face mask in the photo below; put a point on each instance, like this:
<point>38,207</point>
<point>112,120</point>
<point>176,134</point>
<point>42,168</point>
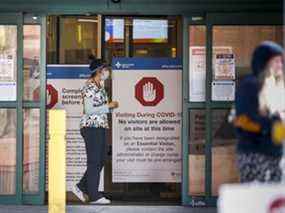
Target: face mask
<point>105,75</point>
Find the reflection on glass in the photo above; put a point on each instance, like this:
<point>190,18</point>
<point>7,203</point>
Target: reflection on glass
<point>7,151</point>
<point>155,37</point>
<point>8,62</point>
<point>52,40</point>
<point>31,150</point>
<point>224,168</point>
<point>31,62</point>
<point>78,39</point>
<point>197,63</point>
<point>241,40</point>
<point>197,152</point>
<point>114,38</point>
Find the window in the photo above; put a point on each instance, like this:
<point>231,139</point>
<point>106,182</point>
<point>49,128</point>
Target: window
<point>142,37</point>
<point>71,39</point>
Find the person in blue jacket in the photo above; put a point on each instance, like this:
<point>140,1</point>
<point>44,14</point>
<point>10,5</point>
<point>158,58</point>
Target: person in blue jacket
<point>93,125</point>
<point>260,103</point>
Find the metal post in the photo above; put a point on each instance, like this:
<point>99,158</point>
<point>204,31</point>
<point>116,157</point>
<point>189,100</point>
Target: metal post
<point>56,161</point>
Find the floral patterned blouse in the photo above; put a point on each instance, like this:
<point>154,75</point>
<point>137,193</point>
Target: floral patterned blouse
<point>95,104</point>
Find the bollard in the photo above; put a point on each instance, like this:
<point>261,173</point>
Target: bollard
<point>56,161</point>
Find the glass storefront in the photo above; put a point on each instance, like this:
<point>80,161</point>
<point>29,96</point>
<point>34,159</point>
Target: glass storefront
<point>161,37</point>
<point>208,139</point>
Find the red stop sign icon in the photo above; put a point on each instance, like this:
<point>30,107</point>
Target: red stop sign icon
<point>278,205</point>
<point>149,91</point>
<point>52,96</point>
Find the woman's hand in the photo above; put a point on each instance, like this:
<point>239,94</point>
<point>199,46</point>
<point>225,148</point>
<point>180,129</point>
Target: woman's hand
<point>113,104</point>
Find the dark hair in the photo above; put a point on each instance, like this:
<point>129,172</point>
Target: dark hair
<point>99,69</point>
<point>91,57</point>
<point>262,54</point>
<point>96,65</point>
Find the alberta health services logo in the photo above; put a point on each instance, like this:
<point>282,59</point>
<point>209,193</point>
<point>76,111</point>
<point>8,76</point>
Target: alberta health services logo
<point>149,91</point>
<point>277,205</point>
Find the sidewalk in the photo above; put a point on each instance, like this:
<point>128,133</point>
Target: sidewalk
<point>108,209</point>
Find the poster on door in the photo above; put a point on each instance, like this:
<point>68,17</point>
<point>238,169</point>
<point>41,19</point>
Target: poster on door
<point>147,123</point>
<point>224,68</point>
<point>197,69</point>
<point>63,92</point>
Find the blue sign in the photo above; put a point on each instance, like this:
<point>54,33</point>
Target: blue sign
<point>68,72</point>
<point>83,72</point>
<point>146,63</point>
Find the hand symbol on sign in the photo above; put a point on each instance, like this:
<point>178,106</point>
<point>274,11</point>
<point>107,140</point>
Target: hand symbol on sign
<point>48,97</point>
<point>149,94</point>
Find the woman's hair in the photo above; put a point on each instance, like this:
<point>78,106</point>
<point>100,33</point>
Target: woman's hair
<point>96,65</point>
<point>95,73</point>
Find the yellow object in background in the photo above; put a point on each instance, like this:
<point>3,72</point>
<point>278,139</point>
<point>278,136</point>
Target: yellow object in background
<point>278,133</point>
<point>56,162</point>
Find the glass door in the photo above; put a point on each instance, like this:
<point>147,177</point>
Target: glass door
<point>140,37</point>
<point>208,139</point>
<point>11,50</point>
<point>21,109</point>
<point>34,83</point>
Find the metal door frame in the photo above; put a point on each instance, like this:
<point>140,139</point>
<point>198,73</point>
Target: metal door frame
<point>209,20</point>
<point>20,197</point>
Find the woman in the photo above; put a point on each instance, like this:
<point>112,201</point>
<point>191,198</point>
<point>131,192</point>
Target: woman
<point>260,103</point>
<point>93,125</point>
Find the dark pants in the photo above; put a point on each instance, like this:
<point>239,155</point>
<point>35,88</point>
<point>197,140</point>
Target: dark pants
<point>258,167</point>
<point>95,144</point>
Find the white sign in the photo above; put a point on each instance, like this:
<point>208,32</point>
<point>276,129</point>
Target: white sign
<point>197,74</point>
<point>224,68</point>
<point>223,90</point>
<point>6,67</point>
<point>147,124</point>
<point>197,70</point>
<point>252,198</point>
<point>8,91</point>
<point>63,84</point>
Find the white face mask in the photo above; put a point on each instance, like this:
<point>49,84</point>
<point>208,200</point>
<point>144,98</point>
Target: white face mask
<point>105,75</point>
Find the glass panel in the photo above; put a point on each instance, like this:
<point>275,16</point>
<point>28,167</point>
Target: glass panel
<point>123,39</point>
<point>8,62</point>
<point>78,39</point>
<point>197,138</point>
<point>31,150</point>
<point>224,168</point>
<point>32,42</point>
<point>7,151</point>
<point>155,37</point>
<point>114,38</point>
<point>241,41</point>
<point>71,39</point>
<point>52,40</point>
<point>197,63</point>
